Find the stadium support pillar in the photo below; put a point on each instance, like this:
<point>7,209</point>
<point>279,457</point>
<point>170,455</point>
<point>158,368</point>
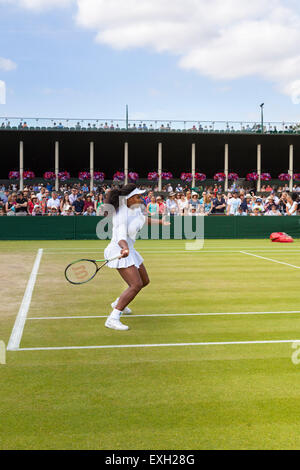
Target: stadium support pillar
<point>126,162</point>
<point>159,166</point>
<point>193,163</point>
<point>291,167</point>
<point>226,159</point>
<point>56,165</point>
<point>258,187</point>
<point>91,166</point>
<point>21,165</point>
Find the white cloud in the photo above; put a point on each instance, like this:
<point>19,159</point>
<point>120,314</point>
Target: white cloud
<point>221,39</point>
<point>6,64</point>
<point>38,5</point>
<point>2,92</point>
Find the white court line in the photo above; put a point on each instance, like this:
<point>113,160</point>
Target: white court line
<point>175,251</point>
<point>270,259</point>
<point>17,331</point>
<point>159,345</point>
<point>74,317</point>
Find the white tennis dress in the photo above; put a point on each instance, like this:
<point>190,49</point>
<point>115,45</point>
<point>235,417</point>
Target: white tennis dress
<point>126,224</point>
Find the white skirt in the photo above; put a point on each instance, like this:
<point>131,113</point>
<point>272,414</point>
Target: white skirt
<point>113,250</point>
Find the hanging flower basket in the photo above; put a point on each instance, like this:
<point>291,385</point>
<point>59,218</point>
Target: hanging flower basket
<point>63,175</point>
<point>200,176</point>
<point>297,176</point>
<point>166,175</point>
<point>186,177</point>
<point>84,175</point>
<point>28,175</point>
<point>153,176</point>
<point>133,176</point>
<point>13,175</point>
<point>265,177</point>
<point>219,177</point>
<point>99,176</point>
<point>49,175</point>
<point>252,176</point>
<point>233,176</point>
<point>119,176</point>
<point>284,177</point>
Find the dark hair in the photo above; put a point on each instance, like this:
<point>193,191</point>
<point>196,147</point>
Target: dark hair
<point>114,194</point>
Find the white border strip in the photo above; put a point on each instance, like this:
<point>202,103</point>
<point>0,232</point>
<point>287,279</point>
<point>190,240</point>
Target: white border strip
<point>123,346</point>
<point>17,331</point>
<point>270,259</point>
<point>74,317</point>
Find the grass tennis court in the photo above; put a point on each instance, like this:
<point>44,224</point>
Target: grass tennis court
<point>164,384</point>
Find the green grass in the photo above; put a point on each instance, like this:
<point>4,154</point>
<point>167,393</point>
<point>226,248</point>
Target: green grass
<point>189,397</point>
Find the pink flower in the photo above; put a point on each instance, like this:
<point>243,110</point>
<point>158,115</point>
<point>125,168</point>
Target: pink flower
<point>153,176</point>
<point>252,176</point>
<point>219,177</point>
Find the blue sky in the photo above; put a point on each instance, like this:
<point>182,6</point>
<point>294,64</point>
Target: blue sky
<point>70,62</point>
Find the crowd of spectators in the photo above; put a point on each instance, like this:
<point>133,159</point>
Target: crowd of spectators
<point>43,200</point>
<point>156,126</point>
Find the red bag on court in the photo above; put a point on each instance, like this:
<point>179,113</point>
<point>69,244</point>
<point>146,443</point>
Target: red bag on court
<point>281,237</point>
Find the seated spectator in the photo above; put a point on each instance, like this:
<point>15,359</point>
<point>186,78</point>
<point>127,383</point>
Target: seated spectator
<point>53,202</point>
<point>33,201</point>
<point>53,211</point>
<point>256,211</point>
<point>171,205</point>
<point>73,196</point>
<point>194,203</point>
<point>2,211</point>
<point>233,204</point>
<point>90,211</point>
<point>219,204</point>
<point>207,204</point>
<point>292,205</point>
<point>273,210</point>
<point>21,204</point>
<point>78,205</point>
<point>88,203</point>
<point>37,210</point>
<point>10,208</point>
<point>183,204</point>
<point>152,207</point>
<point>65,203</point>
<point>67,210</point>
<point>161,205</point>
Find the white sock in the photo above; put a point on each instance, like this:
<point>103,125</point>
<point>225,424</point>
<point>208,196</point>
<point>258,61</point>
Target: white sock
<point>115,314</point>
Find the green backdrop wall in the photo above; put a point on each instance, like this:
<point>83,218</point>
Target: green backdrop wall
<point>84,228</point>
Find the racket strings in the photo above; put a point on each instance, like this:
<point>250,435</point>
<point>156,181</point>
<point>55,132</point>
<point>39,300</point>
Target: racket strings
<point>81,271</point>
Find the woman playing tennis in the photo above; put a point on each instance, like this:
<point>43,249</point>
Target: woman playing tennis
<point>128,220</point>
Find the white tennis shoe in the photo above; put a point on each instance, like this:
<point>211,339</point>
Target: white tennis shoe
<point>115,324</point>
<point>126,311</point>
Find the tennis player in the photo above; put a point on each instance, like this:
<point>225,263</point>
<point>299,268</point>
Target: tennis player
<point>128,220</point>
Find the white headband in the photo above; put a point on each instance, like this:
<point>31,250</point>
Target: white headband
<point>134,193</point>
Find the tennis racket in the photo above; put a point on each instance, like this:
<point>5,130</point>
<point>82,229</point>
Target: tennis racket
<point>84,270</point>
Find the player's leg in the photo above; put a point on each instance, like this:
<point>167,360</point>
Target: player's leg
<point>145,280</point>
<point>134,281</point>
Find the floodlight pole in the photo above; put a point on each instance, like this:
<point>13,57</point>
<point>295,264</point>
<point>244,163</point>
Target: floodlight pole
<point>262,117</point>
